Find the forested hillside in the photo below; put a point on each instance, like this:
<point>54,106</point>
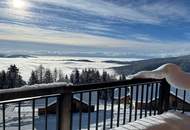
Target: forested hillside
<point>135,66</point>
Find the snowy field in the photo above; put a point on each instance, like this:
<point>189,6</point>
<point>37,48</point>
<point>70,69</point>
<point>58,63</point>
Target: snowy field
<point>26,118</point>
<point>67,64</point>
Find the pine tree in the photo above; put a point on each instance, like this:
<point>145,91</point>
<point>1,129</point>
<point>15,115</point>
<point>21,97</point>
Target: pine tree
<point>40,72</point>
<point>104,76</point>
<point>66,79</point>
<point>61,76</point>
<point>55,75</point>
<point>12,76</point>
<point>48,77</point>
<point>98,76</point>
<point>72,78</point>
<point>33,78</point>
<point>77,76</point>
<point>14,79</point>
<point>3,80</point>
<point>20,82</point>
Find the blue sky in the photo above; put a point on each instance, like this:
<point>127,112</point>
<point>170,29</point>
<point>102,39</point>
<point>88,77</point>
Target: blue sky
<point>144,27</point>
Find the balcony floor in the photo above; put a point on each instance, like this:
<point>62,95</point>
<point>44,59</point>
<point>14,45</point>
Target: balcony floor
<point>166,121</point>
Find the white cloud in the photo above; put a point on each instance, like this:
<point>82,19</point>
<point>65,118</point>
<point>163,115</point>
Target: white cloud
<point>33,34</point>
<point>105,9</point>
<point>154,13</point>
<point>37,35</point>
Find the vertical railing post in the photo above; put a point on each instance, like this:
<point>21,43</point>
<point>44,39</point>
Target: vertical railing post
<point>64,102</point>
<point>164,94</point>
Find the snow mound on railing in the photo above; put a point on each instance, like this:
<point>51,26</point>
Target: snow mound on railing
<point>56,84</point>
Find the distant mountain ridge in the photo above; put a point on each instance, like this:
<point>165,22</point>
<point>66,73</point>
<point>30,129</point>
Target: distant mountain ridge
<point>150,64</point>
<point>15,56</point>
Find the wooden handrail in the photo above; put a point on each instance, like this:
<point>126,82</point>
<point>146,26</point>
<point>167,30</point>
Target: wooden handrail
<point>113,84</point>
<point>53,89</point>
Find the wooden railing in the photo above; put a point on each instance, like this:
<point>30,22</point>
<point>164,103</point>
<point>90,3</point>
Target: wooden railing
<point>142,97</point>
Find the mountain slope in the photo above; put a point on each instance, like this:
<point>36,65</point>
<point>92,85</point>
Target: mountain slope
<point>135,66</point>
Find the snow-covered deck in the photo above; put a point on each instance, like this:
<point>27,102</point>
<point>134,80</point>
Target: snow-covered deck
<point>166,121</point>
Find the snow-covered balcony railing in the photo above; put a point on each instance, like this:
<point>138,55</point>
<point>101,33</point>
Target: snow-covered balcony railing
<point>86,106</point>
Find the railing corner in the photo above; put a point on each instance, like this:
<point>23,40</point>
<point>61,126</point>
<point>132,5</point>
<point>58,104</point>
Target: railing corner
<point>164,94</point>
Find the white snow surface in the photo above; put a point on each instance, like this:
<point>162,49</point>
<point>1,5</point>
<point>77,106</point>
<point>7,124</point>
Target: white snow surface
<point>166,121</point>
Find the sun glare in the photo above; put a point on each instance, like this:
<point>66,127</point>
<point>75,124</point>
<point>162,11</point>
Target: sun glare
<point>18,4</point>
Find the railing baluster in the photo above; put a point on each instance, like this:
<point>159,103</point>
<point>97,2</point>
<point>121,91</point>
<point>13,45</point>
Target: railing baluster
<point>146,103</point>
<point>3,107</point>
<point>155,104</point>
<point>184,97</point>
<point>89,110</point>
<point>151,96</point>
<point>118,108</point>
<point>112,105</point>
<point>136,101</point>
<point>131,104</point>
<point>33,113</point>
<point>97,109</point>
<point>142,100</point>
<point>80,111</point>
<point>46,112</point>
<point>176,102</point>
<point>125,104</point>
<point>105,107</point>
<point>19,116</point>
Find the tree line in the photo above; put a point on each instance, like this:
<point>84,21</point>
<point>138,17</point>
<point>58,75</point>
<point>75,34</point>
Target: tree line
<point>11,78</point>
<point>45,75</point>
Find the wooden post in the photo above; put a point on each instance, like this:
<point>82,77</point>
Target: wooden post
<point>64,102</point>
<point>164,94</point>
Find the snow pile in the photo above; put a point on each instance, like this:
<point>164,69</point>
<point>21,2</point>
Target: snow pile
<point>49,85</point>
